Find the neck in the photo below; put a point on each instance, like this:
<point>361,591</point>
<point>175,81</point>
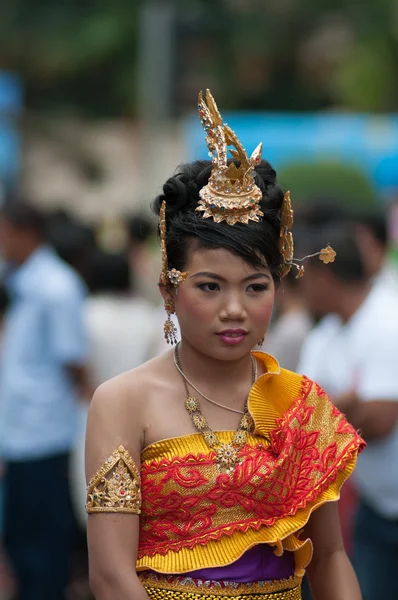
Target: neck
<point>214,376</point>
<point>351,300</point>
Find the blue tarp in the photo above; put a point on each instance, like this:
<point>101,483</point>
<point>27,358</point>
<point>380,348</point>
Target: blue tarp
<point>366,141</point>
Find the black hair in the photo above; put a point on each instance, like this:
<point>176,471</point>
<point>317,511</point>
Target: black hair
<point>256,242</point>
<point>140,228</point>
<point>72,240</point>
<point>323,212</point>
<point>4,300</point>
<point>23,215</point>
<point>348,265</point>
<point>108,272</point>
<point>376,222</point>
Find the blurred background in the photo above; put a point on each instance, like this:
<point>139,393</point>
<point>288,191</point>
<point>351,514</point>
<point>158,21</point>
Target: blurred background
<point>97,108</point>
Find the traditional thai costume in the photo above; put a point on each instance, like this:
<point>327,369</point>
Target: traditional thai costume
<point>205,533</point>
<point>222,513</point>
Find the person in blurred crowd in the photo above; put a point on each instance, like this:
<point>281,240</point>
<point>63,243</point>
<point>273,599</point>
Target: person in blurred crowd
<point>291,326</point>
<point>372,238</point>
<point>42,372</point>
<point>120,323</point>
<point>6,580</point>
<point>352,353</point>
<point>73,241</point>
<point>143,256</point>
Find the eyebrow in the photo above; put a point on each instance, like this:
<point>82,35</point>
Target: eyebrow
<point>252,277</point>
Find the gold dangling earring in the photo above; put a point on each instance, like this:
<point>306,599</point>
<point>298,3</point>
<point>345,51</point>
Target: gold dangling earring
<point>170,330</point>
<point>261,342</point>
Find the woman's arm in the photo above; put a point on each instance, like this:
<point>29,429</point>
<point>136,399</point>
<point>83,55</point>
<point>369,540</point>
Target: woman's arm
<point>112,547</point>
<point>113,537</point>
<point>330,572</point>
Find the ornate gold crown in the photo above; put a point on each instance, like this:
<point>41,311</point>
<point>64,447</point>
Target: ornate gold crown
<point>231,193</point>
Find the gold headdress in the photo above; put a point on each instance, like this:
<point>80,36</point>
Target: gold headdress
<point>231,194</point>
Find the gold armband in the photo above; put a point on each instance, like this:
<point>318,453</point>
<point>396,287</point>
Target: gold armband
<point>116,486</point>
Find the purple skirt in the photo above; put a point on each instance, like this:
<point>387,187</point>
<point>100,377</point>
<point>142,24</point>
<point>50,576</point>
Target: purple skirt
<point>257,564</point>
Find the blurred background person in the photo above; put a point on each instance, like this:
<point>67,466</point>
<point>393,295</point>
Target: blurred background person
<point>291,324</point>
<point>372,238</point>
<point>119,320</point>
<point>73,240</point>
<point>43,372</point>
<point>352,354</point>
<point>143,256</point>
<point>6,581</point>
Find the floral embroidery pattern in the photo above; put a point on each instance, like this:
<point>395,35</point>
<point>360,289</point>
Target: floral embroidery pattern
<point>187,501</point>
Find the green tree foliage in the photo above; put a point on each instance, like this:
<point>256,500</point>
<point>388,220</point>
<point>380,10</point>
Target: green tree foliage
<point>72,54</point>
<point>82,55</point>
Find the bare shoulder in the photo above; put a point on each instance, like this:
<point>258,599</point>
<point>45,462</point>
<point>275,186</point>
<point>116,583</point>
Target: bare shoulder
<point>125,397</point>
<point>117,413</point>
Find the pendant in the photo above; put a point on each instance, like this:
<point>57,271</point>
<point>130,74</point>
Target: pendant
<point>227,457</point>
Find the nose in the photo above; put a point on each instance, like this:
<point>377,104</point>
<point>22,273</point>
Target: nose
<point>233,308</point>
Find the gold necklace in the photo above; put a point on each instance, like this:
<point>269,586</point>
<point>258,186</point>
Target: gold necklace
<point>234,410</point>
<point>227,455</point>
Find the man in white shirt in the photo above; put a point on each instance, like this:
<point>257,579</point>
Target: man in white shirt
<point>352,353</point>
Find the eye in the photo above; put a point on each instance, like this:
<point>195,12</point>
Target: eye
<point>257,287</point>
<point>211,286</point>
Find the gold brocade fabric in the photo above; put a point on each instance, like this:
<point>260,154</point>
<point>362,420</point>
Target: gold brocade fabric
<point>194,516</point>
<point>184,588</point>
<point>159,594</point>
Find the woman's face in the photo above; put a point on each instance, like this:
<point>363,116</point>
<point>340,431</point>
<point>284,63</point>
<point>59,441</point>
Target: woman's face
<point>225,305</point>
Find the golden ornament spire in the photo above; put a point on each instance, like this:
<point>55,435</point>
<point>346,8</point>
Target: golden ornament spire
<point>231,193</point>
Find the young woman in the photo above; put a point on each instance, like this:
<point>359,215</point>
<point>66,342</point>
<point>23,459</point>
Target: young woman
<point>212,472</point>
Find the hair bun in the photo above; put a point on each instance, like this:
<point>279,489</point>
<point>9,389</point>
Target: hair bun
<point>181,192</point>
<point>272,192</point>
<point>176,193</point>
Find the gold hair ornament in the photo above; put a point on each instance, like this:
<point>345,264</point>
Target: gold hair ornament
<point>167,276</point>
<point>286,245</point>
<point>231,193</point>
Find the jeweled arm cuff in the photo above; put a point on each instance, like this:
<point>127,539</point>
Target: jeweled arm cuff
<point>116,486</point>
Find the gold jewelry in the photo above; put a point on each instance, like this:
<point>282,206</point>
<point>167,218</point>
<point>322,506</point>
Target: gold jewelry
<point>116,486</point>
<point>234,410</point>
<point>261,342</point>
<point>173,276</point>
<point>227,455</point>
<point>286,244</point>
<point>231,193</point>
<point>170,330</point>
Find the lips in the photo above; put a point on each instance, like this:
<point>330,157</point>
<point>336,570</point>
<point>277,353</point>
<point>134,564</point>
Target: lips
<point>233,332</point>
<point>232,337</point>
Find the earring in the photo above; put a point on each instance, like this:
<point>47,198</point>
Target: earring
<point>170,330</point>
<point>261,342</point>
